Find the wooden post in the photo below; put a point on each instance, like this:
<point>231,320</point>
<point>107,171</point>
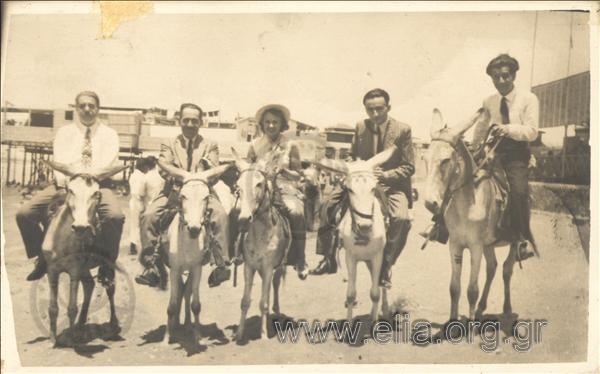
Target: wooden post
<point>8,163</point>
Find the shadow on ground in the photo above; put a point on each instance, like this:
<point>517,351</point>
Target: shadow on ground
<point>79,338</point>
<point>192,339</point>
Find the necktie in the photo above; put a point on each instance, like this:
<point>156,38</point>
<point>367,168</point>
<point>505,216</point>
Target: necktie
<point>190,154</point>
<point>86,152</point>
<point>379,140</point>
<point>504,111</point>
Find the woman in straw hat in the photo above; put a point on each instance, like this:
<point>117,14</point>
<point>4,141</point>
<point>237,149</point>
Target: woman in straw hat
<point>283,165</point>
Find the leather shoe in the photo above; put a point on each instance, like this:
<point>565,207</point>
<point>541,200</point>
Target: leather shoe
<point>326,266</point>
<point>218,276</point>
<point>148,278</point>
<point>385,279</point>
<point>524,251</point>
<point>39,270</point>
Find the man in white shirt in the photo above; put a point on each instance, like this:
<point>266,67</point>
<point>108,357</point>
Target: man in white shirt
<point>514,117</point>
<point>91,144</point>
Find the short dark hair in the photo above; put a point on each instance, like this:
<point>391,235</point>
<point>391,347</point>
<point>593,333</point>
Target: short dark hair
<point>90,94</point>
<point>276,112</point>
<point>377,92</point>
<point>193,106</point>
<point>501,60</point>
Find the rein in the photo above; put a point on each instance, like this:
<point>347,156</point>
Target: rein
<point>450,191</point>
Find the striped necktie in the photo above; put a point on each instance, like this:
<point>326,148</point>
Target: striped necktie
<point>86,151</point>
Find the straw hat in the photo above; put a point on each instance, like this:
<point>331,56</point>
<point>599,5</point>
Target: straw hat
<point>281,108</point>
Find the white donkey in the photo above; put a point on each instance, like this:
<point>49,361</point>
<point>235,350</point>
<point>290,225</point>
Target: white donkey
<point>362,229</point>
<point>188,245</point>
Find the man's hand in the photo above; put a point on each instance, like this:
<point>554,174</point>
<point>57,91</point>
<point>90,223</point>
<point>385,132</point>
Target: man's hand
<point>499,131</point>
<point>378,172</point>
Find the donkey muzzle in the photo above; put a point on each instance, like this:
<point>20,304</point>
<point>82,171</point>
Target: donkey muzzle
<point>81,229</point>
<point>194,231</point>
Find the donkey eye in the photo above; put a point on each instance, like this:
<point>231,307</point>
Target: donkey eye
<point>97,195</point>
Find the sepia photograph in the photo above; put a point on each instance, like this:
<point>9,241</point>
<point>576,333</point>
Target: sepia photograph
<point>302,186</point>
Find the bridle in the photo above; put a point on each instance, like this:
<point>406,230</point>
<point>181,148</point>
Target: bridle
<point>454,144</point>
<point>265,193</point>
<point>355,212</point>
<point>206,219</point>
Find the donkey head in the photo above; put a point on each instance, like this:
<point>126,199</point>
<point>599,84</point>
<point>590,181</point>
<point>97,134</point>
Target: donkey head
<point>445,166</point>
<point>360,183</point>
<point>252,188</point>
<point>194,195</point>
<point>83,192</point>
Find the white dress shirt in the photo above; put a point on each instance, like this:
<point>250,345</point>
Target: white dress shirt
<point>523,113</point>
<point>68,145</point>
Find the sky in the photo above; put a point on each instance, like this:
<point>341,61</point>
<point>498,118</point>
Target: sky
<point>317,64</point>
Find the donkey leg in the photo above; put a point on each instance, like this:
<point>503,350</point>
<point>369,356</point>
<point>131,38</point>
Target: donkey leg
<point>456,257</point>
<point>245,304</point>
<point>72,307</point>
<point>174,305</point>
<point>351,290</point>
<point>507,271</point>
<point>276,283</point>
<point>195,291</point>
<point>53,306</point>
<point>375,293</point>
<point>110,292</point>
<point>491,265</point>
<point>185,294</point>
<point>267,281</point>
<point>88,287</point>
<point>473,288</point>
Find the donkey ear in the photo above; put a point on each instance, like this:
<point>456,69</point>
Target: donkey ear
<point>214,173</point>
<point>239,162</point>
<point>437,122</point>
<point>482,115</point>
<point>68,170</point>
<point>108,172</point>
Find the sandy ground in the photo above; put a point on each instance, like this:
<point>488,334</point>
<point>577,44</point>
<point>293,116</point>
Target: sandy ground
<point>553,288</point>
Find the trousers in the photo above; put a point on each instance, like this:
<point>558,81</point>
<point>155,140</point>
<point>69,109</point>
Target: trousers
<point>159,214</point>
<point>32,219</point>
<point>395,206</point>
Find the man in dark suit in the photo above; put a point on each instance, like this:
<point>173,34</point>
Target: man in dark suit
<point>391,142</point>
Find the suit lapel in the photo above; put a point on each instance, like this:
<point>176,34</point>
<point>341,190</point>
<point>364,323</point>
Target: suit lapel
<point>180,151</point>
<point>199,150</point>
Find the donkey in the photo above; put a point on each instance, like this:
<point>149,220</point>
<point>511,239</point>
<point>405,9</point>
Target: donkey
<point>452,192</point>
<point>362,230</point>
<point>69,239</point>
<point>188,246</point>
<point>266,241</point>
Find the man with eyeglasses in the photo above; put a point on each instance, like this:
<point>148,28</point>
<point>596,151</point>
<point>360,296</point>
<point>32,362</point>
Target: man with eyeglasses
<point>191,152</point>
<point>89,143</point>
<point>514,118</point>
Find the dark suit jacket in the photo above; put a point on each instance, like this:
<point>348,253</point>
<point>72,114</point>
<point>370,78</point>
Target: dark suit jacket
<point>400,167</point>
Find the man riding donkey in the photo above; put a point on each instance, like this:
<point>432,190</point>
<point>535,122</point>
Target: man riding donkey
<point>284,171</point>
<point>390,141</point>
<point>505,155</point>
<point>191,152</point>
<point>89,144</point>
